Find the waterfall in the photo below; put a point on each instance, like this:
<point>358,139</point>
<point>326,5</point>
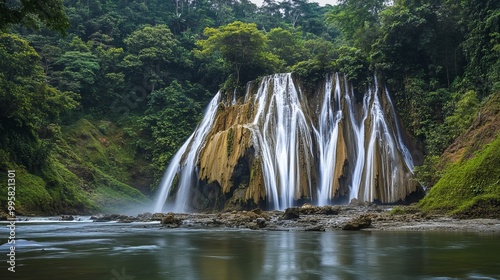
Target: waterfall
<point>186,168</point>
<point>359,137</point>
<point>327,137</point>
<point>320,146</point>
<point>281,128</point>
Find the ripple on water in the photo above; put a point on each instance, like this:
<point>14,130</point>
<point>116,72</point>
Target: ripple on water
<point>132,249</point>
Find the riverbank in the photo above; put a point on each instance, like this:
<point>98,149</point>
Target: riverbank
<point>312,218</point>
<point>308,218</point>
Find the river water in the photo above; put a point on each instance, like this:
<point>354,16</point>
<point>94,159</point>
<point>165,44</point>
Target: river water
<point>85,250</point>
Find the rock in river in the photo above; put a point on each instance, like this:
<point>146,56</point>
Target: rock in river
<point>358,223</point>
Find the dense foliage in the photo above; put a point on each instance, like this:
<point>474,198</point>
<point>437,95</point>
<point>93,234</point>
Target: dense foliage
<point>151,66</point>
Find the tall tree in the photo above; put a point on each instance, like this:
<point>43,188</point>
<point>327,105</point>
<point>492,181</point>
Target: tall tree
<point>287,45</point>
<point>243,48</point>
<point>157,54</point>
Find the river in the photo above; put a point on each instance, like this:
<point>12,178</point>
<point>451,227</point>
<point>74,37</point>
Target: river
<point>48,249</point>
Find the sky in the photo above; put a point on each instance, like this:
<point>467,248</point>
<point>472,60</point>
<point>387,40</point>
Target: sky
<point>321,2</point>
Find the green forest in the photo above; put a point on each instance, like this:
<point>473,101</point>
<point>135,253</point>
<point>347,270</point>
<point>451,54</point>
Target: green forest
<point>96,96</point>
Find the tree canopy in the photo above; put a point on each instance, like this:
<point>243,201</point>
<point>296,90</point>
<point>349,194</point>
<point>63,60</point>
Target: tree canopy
<point>241,46</point>
<point>33,14</point>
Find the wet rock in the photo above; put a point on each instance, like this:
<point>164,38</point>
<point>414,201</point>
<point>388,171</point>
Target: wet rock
<point>145,217</point>
<point>257,211</point>
<point>127,219</point>
<point>291,213</point>
<point>308,209</point>
<point>109,218</point>
<point>330,210</point>
<point>67,218</point>
<point>252,225</point>
<point>157,216</point>
<point>252,215</point>
<point>306,206</point>
<point>265,216</point>
<point>357,203</point>
<point>217,222</point>
<point>315,228</point>
<point>170,220</point>
<point>363,221</point>
<point>261,222</point>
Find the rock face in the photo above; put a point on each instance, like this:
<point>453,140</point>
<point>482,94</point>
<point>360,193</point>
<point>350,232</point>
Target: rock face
<point>283,144</point>
<point>361,222</point>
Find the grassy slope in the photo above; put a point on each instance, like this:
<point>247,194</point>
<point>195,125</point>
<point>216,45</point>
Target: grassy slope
<point>470,184</point>
<point>99,153</point>
<point>92,169</point>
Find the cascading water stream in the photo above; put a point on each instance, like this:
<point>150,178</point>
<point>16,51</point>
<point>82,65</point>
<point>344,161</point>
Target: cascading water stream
<point>401,146</point>
<point>188,166</point>
<point>381,144</point>
<point>327,136</point>
<point>282,129</point>
<point>359,137</point>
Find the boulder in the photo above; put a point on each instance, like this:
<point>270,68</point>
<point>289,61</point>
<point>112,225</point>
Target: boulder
<point>291,213</point>
<point>127,219</point>
<point>145,217</point>
<point>157,216</point>
<point>257,211</point>
<point>308,209</point>
<point>252,225</point>
<point>109,218</point>
<point>261,222</point>
<point>170,220</point>
<point>363,221</point>
<point>67,218</point>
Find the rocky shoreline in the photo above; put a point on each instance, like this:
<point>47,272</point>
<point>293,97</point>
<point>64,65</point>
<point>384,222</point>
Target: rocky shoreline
<point>314,218</point>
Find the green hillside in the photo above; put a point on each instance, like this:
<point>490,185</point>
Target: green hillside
<point>470,182</point>
<point>92,168</point>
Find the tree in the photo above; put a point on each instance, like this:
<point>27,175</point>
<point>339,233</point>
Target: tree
<point>79,71</point>
<point>286,44</point>
<point>155,52</point>
<point>242,46</point>
<point>319,59</point>
<point>482,44</point>
<point>169,119</point>
<point>352,63</point>
<point>32,13</point>
<point>358,20</point>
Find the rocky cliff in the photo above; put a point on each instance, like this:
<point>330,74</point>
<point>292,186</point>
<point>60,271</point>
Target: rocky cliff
<point>282,144</point>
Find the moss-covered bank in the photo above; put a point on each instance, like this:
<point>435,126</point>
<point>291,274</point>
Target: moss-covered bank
<point>93,167</point>
<point>470,183</point>
<point>471,188</point>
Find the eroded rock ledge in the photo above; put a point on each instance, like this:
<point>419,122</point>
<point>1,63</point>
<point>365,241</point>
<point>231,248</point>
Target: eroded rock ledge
<point>314,218</point>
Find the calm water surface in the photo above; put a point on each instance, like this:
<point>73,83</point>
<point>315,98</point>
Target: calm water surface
<point>85,250</point>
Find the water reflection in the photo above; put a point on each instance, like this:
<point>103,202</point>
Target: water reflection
<point>90,251</point>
